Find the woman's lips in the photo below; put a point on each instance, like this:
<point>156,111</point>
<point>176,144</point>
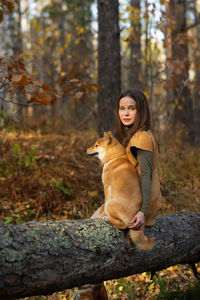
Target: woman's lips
<point>126,120</point>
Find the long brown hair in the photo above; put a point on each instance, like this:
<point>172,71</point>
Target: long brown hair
<point>142,121</point>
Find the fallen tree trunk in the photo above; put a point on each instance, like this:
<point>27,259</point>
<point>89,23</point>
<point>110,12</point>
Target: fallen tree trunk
<point>39,258</point>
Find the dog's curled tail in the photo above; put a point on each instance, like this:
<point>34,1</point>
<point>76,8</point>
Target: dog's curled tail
<point>140,240</point>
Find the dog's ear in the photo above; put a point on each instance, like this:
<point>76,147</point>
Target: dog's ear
<point>110,133</point>
<point>108,136</point>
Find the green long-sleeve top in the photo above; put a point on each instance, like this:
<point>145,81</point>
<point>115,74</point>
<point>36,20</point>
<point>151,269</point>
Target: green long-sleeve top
<point>145,161</point>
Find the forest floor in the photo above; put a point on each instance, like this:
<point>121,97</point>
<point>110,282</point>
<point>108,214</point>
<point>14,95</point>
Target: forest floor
<point>45,175</point>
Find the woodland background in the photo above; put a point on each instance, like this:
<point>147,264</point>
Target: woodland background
<point>63,64</point>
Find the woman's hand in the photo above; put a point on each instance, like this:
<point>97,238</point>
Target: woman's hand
<point>138,221</point>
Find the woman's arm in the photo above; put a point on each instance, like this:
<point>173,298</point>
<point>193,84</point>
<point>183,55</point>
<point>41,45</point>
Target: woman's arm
<point>145,161</point>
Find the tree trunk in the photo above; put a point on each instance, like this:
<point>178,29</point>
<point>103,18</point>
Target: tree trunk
<point>197,80</point>
<point>18,51</point>
<point>183,116</point>
<point>146,46</point>
<point>44,257</point>
<point>108,63</point>
<point>169,64</point>
<point>135,73</point>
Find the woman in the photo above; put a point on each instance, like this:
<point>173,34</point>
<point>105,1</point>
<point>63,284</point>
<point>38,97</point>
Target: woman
<point>132,130</point>
<point>133,124</point>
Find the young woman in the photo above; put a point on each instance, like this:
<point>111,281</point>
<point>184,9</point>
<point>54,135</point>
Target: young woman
<point>132,130</point>
<point>133,125</point>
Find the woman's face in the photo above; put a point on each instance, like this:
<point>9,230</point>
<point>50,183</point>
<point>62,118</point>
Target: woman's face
<point>127,111</point>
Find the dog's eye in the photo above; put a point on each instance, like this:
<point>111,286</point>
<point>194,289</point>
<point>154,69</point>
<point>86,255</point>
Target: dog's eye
<point>96,145</point>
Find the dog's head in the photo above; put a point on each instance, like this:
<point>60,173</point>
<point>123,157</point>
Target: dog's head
<point>103,146</point>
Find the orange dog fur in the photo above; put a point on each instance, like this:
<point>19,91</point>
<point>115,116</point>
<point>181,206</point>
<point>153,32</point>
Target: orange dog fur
<point>121,188</point>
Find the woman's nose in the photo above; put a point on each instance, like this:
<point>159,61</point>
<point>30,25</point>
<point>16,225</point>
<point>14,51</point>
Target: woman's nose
<point>126,112</point>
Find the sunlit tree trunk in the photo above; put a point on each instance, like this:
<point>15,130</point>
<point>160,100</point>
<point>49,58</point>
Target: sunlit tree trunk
<point>7,49</point>
<point>108,63</point>
<point>18,49</point>
<point>135,74</point>
<point>183,114</point>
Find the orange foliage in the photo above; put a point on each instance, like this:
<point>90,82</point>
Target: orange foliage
<point>15,76</point>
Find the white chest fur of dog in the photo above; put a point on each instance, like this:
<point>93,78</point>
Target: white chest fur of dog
<point>121,188</point>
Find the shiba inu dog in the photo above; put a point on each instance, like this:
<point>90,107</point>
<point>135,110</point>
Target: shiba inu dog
<point>121,188</point>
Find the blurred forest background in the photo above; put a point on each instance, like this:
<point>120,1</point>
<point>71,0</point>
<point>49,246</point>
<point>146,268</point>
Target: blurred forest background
<point>63,64</point>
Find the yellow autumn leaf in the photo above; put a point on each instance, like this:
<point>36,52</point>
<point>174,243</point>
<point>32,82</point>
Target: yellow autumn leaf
<point>60,50</point>
<point>93,193</point>
<point>76,42</point>
<point>47,28</point>
<point>69,37</point>
<point>146,94</point>
<point>151,287</point>
<point>35,23</point>
<point>142,276</point>
<point>171,269</point>
<point>41,41</point>
<point>39,29</point>
<point>80,30</point>
<point>121,288</point>
<point>129,8</point>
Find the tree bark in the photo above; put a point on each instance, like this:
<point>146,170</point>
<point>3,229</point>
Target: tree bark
<point>197,78</point>
<point>108,63</point>
<point>183,114</point>
<point>39,258</point>
<point>135,68</point>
